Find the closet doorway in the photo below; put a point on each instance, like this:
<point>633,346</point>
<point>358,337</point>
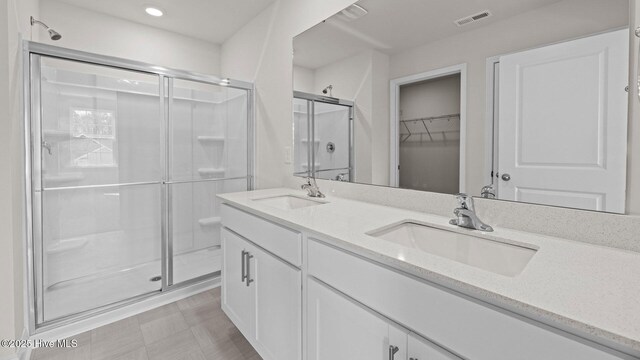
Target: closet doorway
<point>428,118</point>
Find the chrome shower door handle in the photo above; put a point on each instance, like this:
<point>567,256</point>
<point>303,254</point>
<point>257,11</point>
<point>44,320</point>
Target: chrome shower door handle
<point>47,146</point>
<point>637,33</point>
<point>244,265</point>
<point>392,351</point>
<point>248,263</point>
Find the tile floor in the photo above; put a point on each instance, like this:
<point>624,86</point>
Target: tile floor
<point>194,328</point>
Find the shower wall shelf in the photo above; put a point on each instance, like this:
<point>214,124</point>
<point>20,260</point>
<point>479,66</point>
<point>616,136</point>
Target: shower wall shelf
<point>211,171</point>
<point>211,138</point>
<point>306,166</point>
<point>63,178</point>
<point>212,221</point>
<point>57,135</point>
<point>67,245</point>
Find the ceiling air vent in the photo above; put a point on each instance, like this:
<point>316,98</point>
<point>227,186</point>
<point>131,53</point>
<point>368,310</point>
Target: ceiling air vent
<point>473,18</point>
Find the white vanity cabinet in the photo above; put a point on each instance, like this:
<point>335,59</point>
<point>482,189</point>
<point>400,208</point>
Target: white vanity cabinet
<point>237,297</point>
<point>467,327</point>
<point>356,308</point>
<point>340,329</point>
<point>420,349</point>
<point>261,292</point>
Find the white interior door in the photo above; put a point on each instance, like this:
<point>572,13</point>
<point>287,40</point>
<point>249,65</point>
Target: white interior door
<point>563,124</point>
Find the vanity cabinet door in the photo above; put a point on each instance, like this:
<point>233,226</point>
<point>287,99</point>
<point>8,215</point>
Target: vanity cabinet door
<point>340,329</point>
<point>237,297</point>
<point>421,349</point>
<point>278,306</point>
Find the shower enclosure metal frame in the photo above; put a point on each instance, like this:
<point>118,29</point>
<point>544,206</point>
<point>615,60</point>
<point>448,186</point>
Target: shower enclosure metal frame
<point>312,99</point>
<point>31,55</point>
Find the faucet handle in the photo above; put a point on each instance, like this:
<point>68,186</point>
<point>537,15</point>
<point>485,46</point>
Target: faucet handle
<point>465,201</point>
<point>307,183</point>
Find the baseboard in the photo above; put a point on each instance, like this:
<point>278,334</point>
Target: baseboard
<point>24,353</point>
<point>21,353</point>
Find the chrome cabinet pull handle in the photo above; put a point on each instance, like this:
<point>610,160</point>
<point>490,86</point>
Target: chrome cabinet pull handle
<point>248,276</point>
<point>392,351</point>
<point>244,265</point>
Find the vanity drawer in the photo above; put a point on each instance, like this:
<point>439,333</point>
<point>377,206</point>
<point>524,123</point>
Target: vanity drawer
<point>466,327</point>
<point>280,241</point>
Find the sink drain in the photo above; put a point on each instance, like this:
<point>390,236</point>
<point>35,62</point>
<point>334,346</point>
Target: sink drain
<point>156,278</point>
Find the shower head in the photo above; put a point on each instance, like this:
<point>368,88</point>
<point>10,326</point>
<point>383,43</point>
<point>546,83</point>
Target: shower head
<point>54,35</point>
<point>328,90</point>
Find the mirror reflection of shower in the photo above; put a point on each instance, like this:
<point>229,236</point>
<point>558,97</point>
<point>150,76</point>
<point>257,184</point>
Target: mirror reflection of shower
<point>328,89</point>
<point>54,35</point>
<point>323,137</point>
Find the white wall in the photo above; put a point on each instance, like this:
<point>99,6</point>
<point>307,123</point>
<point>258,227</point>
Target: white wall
<point>561,21</point>
<point>14,24</point>
<point>262,52</point>
<point>431,163</point>
<point>103,34</point>
<point>303,79</point>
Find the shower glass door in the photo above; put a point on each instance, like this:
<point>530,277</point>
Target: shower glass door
<point>332,141</point>
<point>97,180</point>
<point>125,162</point>
<point>208,156</point>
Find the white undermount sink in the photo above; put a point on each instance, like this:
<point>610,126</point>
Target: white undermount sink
<point>495,256</point>
<point>288,202</point>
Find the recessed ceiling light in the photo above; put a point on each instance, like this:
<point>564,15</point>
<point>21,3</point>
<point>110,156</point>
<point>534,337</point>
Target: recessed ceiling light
<point>153,11</point>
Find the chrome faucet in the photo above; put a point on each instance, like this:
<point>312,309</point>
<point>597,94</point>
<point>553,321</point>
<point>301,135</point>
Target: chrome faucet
<point>488,192</point>
<point>466,215</point>
<point>312,188</point>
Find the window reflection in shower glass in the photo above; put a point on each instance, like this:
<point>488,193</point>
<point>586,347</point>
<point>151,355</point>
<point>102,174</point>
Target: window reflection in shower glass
<point>94,132</point>
<point>100,125</point>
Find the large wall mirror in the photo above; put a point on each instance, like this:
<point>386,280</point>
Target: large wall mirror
<point>515,100</point>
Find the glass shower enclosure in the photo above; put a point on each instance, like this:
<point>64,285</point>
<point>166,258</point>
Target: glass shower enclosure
<point>124,161</point>
<point>323,137</point>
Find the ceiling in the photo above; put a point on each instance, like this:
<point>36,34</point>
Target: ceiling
<point>210,20</point>
<point>394,26</point>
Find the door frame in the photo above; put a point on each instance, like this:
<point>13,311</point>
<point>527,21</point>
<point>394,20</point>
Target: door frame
<point>394,118</point>
<point>491,121</point>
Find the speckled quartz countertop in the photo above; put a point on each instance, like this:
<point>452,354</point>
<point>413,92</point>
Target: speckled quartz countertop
<point>589,290</point>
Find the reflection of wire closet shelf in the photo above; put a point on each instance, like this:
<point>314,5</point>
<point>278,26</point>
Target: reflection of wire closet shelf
<point>429,126</point>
